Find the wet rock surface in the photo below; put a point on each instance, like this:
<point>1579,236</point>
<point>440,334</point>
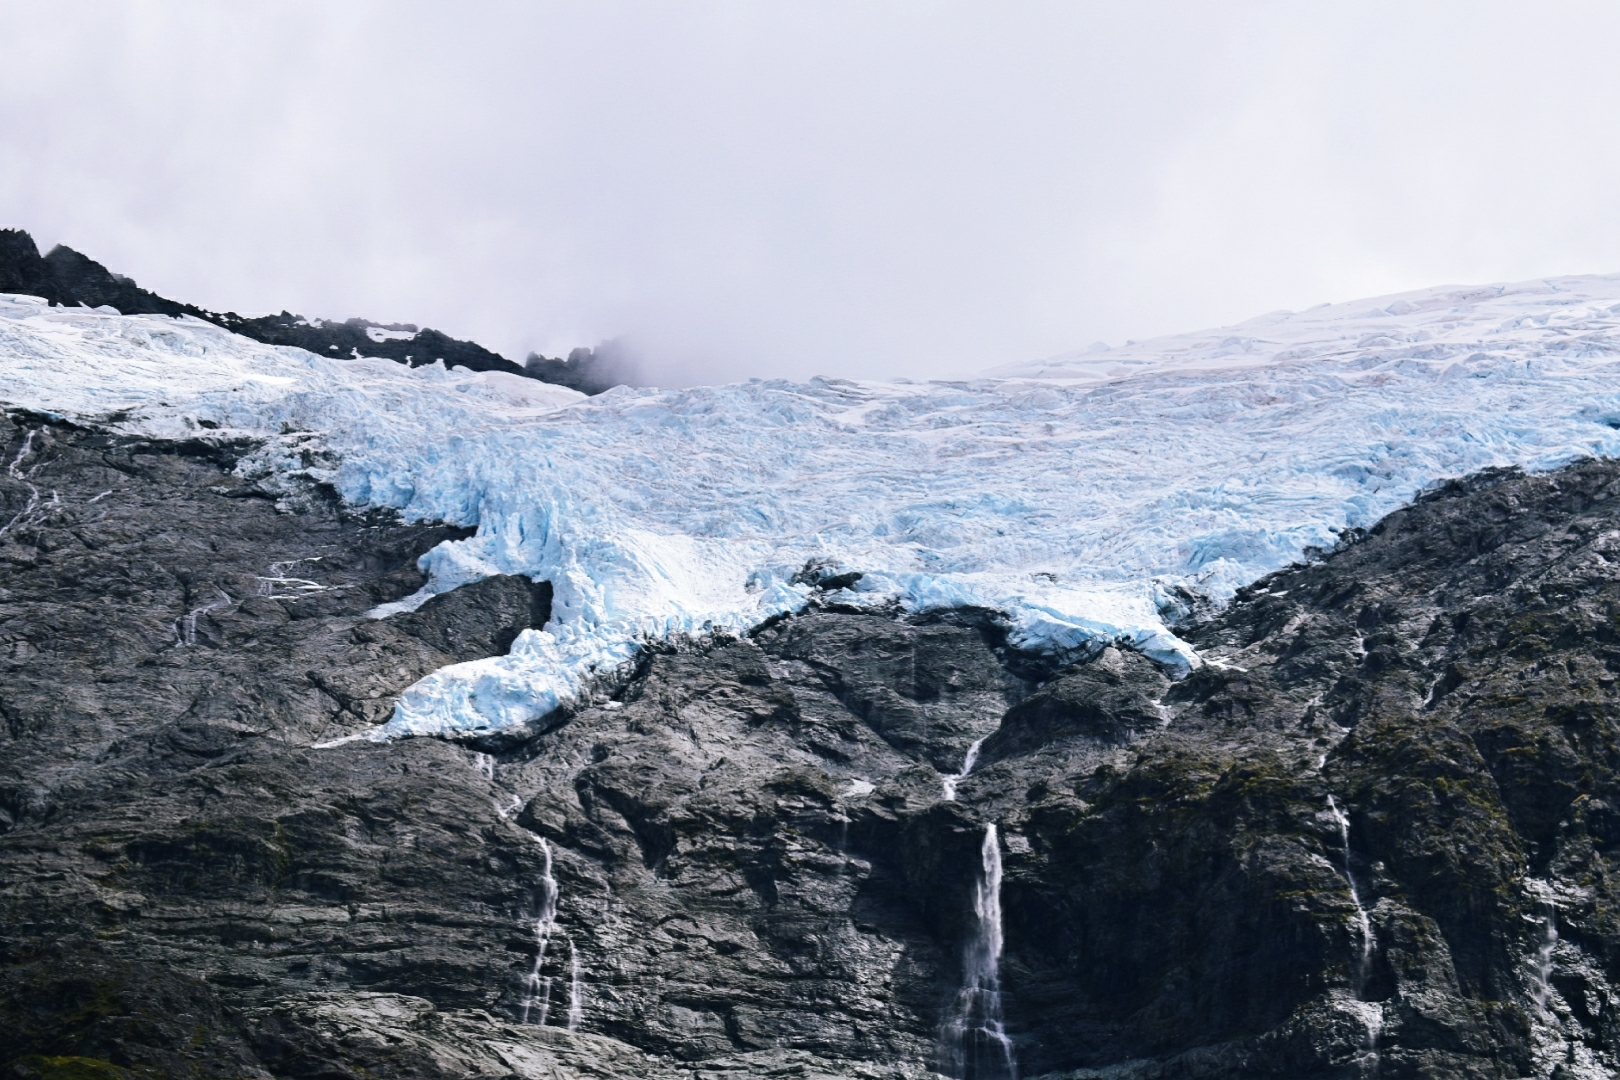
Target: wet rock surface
<point>1372,835</point>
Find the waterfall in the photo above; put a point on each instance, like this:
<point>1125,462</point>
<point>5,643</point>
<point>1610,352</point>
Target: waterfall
<point>1561,1042</point>
<point>1363,923</point>
<point>576,990</point>
<point>1553,1040</point>
<point>31,513</point>
<point>1370,1013</point>
<point>484,764</point>
<point>967,767</point>
<point>537,984</point>
<point>1541,988</point>
<point>278,579</point>
<point>185,627</point>
<point>536,987</point>
<point>975,1043</point>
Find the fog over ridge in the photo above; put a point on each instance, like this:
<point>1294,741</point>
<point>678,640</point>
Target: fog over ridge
<point>852,190</point>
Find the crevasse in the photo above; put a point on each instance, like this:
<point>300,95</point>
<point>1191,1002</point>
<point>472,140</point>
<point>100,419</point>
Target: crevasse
<point>1083,498</point>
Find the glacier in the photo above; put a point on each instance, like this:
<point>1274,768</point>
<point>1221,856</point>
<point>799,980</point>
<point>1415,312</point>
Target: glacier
<point>1081,497</point>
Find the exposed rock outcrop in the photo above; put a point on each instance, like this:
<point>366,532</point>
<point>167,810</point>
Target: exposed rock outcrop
<point>590,371</point>
<point>1372,835</point>
<point>64,276</point>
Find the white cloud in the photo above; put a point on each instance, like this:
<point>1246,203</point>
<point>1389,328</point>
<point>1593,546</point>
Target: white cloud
<point>853,189</point>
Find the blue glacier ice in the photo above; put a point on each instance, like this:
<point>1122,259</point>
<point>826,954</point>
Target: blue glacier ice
<point>1078,496</point>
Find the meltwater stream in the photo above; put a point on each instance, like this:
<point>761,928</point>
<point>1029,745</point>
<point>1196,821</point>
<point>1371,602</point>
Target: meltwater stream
<point>536,984</point>
<point>1371,1014</point>
<point>968,762</point>
<point>1363,922</point>
<point>975,1045</point>
<point>576,990</point>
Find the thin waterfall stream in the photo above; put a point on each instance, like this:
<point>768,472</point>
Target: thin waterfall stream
<point>1561,1042</point>
<point>1363,922</point>
<point>536,985</point>
<point>1543,963</point>
<point>975,1044</point>
<point>1549,1031</point>
<point>576,990</point>
<point>1371,1014</point>
<point>968,762</point>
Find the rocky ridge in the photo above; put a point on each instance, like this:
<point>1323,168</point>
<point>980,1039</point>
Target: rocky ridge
<point>67,277</point>
<point>1372,835</point>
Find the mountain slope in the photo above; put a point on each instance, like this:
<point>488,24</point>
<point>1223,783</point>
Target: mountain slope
<point>752,858</point>
<point>1192,722</point>
<point>64,276</point>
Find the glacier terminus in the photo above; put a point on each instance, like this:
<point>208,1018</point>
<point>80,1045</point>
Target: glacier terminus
<point>1084,500</point>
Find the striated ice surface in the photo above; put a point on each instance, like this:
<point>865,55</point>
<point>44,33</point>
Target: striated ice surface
<point>1076,496</point>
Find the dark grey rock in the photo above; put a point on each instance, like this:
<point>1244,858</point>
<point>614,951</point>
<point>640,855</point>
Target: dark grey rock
<point>756,868</point>
<point>481,619</point>
<point>67,277</point>
<point>1105,703</point>
<point>590,371</point>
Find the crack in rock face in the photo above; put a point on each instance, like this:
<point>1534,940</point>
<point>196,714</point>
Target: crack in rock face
<point>1372,835</point>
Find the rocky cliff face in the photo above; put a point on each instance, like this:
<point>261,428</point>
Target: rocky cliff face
<point>1371,836</point>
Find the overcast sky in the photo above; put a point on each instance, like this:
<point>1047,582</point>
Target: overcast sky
<point>770,188</point>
